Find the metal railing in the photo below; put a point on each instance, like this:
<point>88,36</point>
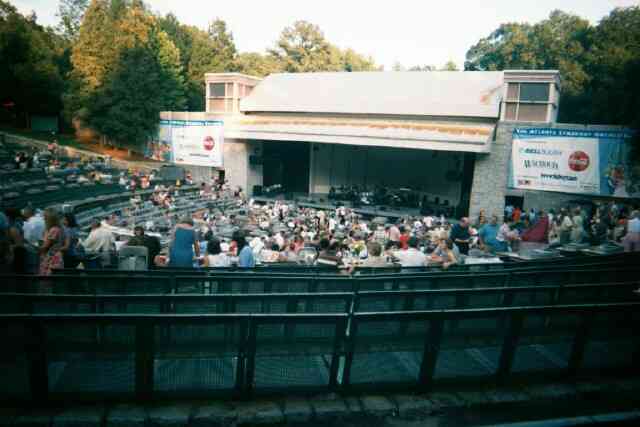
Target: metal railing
<point>106,356</point>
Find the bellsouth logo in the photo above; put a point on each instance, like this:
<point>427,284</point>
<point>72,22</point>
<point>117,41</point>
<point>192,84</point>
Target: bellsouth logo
<point>209,143</point>
<point>579,161</point>
<point>541,151</point>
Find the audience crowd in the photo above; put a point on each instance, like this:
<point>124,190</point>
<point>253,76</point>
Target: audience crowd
<point>227,230</point>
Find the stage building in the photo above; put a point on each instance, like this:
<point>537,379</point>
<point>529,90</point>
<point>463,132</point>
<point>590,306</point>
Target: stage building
<point>445,135</point>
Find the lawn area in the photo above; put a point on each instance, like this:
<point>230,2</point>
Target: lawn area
<point>66,140</point>
<point>70,140</point>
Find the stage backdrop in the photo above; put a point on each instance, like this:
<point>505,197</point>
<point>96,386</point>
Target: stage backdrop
<point>188,142</point>
<point>574,161</point>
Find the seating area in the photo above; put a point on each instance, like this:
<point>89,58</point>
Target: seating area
<point>168,334</point>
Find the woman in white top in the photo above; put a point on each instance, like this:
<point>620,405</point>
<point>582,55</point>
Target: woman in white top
<point>215,257</point>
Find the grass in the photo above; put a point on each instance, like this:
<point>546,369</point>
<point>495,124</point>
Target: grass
<point>63,139</point>
<point>69,140</point>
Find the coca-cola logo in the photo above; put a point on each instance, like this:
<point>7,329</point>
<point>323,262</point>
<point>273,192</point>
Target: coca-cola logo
<point>578,161</point>
<point>209,143</point>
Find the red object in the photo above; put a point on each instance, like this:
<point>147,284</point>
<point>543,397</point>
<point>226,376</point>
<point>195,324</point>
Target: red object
<point>404,241</point>
<point>579,161</point>
<point>209,143</point>
<point>537,233</point>
<point>9,104</point>
<point>516,215</point>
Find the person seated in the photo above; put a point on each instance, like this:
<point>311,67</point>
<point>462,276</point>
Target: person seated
<point>445,254</point>
<point>411,257</point>
<point>327,256</point>
<point>215,257</point>
<point>152,243</point>
<point>375,258</point>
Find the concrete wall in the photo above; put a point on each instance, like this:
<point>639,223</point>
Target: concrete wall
<point>335,165</point>
<point>491,172</point>
<point>236,163</point>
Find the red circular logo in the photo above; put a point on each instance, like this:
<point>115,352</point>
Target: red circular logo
<point>578,161</point>
<point>209,143</point>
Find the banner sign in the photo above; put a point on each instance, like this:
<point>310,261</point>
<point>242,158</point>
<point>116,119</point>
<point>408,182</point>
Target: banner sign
<point>574,161</point>
<point>189,142</point>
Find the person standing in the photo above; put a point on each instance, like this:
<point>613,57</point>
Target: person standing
<point>51,248</point>
<point>71,241</point>
<point>577,231</point>
<point>631,240</point>
<point>461,236</point>
<point>100,241</point>
<point>183,245</point>
<point>488,235</point>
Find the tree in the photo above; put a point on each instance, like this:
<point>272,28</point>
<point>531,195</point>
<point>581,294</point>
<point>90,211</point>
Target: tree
<point>256,64</point>
<point>303,48</point>
<point>95,51</point>
<point>397,66</point>
<point>422,68</point>
<point>612,95</point>
<point>449,66</point>
<point>70,13</point>
<point>98,70</point>
<point>559,42</point>
<point>127,108</point>
<point>353,61</point>
<point>30,78</point>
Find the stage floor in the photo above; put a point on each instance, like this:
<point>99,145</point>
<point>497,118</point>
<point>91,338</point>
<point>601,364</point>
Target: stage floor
<point>322,202</point>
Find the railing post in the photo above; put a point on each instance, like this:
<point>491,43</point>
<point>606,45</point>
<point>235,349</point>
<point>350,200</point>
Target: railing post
<point>579,344</point>
<point>350,345</point>
<point>341,326</point>
<point>251,358</point>
<point>509,346</point>
<point>37,357</point>
<point>432,343</point>
<point>242,355</point>
<point>145,350</point>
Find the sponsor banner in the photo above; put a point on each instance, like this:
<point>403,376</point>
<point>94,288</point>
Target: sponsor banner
<point>189,142</point>
<point>574,161</point>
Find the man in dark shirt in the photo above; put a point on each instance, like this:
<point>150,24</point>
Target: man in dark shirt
<point>460,235</point>
<point>152,243</point>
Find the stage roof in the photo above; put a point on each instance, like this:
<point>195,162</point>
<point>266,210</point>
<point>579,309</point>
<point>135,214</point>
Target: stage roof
<point>437,93</point>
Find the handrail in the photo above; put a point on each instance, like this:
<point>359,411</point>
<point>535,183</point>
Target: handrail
<point>248,345</point>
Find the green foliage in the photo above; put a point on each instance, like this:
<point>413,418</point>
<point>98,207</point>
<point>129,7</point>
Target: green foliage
<point>70,13</point>
<point>30,60</point>
<point>303,48</point>
<point>449,66</point>
<point>599,65</point>
<point>127,107</point>
<point>104,69</point>
<point>256,64</point>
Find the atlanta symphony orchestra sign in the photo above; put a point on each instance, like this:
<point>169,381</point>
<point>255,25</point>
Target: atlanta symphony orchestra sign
<point>574,161</point>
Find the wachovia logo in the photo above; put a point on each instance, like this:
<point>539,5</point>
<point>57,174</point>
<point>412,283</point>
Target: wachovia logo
<point>209,143</point>
<point>578,161</point>
<point>541,164</point>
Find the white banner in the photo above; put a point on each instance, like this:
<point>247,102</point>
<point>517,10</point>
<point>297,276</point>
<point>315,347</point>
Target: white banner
<point>556,163</point>
<point>197,142</point>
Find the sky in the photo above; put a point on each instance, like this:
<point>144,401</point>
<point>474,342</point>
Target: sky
<point>411,32</point>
